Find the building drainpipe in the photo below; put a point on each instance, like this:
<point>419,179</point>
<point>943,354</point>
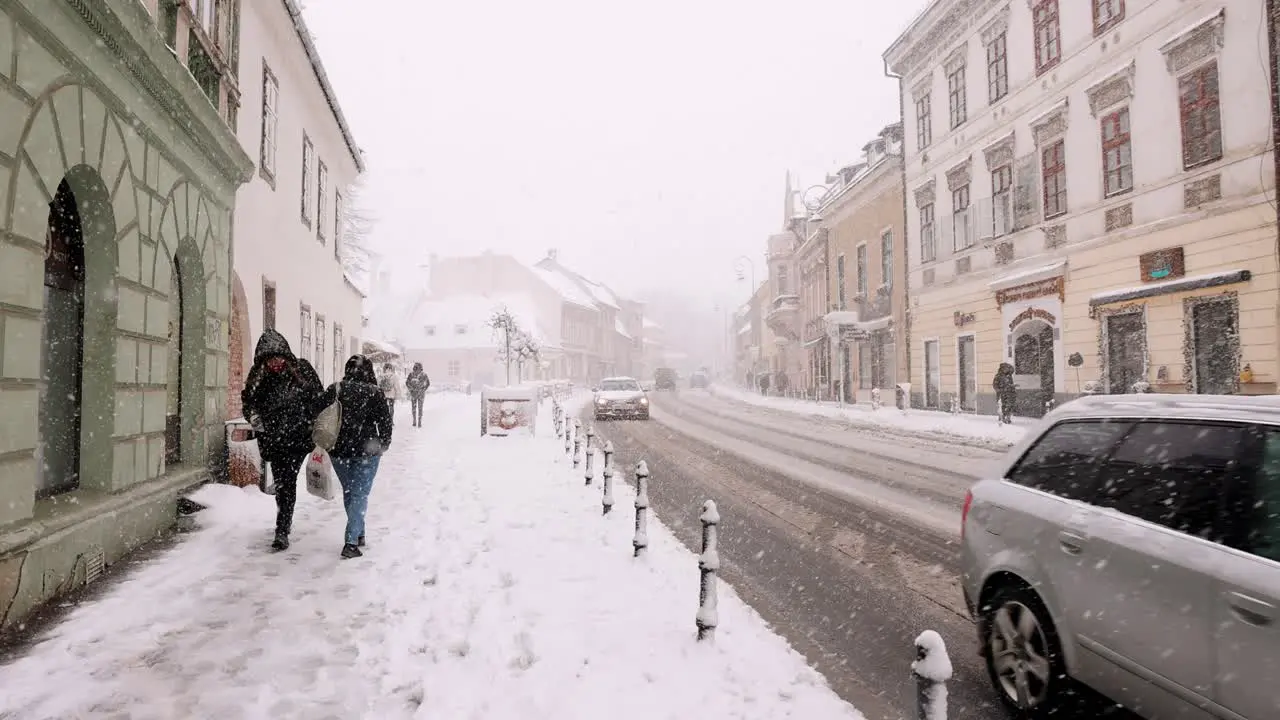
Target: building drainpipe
<point>1273,38</point>
<point>906,243</point>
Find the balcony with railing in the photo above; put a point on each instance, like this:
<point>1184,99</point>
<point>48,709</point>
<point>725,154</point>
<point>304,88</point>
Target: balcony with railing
<point>784,316</point>
<point>984,222</point>
<point>782,246</point>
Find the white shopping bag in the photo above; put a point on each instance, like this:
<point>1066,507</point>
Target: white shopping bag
<point>320,478</point>
<point>266,482</point>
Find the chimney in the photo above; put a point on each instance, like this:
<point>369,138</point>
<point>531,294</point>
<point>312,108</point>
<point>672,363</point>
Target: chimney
<point>552,254</point>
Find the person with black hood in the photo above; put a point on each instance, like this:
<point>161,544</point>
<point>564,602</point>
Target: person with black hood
<point>363,436</point>
<point>280,400</point>
<point>1006,392</point>
<point>417,384</point>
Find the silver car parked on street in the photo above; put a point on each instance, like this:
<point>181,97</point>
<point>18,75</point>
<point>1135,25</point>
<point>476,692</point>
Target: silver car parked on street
<point>1131,543</point>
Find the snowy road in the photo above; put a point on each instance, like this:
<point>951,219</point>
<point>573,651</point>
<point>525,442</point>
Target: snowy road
<point>844,540</point>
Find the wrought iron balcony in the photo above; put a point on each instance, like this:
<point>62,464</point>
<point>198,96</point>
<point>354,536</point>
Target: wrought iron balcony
<point>784,316</point>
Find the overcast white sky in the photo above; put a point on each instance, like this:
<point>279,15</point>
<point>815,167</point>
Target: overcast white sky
<point>647,143</point>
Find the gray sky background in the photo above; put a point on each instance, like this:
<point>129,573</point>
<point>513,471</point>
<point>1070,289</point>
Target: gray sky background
<point>648,144</point>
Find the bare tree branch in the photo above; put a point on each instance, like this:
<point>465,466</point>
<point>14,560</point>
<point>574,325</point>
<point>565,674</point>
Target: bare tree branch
<point>357,232</point>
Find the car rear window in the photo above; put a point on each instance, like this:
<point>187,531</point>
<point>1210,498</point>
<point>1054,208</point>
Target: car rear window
<point>1065,460</point>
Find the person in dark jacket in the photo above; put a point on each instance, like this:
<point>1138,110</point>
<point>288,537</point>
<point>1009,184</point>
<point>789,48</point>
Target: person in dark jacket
<point>280,399</point>
<point>417,384</point>
<point>1006,392</point>
<point>364,435</point>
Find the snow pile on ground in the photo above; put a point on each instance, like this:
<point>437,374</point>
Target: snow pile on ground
<point>983,429</point>
<point>492,588</point>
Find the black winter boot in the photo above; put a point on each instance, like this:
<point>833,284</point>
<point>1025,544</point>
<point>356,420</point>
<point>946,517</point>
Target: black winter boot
<point>281,542</point>
<point>360,541</point>
<point>350,551</point>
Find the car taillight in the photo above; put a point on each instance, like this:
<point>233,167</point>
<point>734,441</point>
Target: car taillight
<point>964,511</point>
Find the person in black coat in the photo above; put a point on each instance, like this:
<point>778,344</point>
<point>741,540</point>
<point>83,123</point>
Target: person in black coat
<point>1006,392</point>
<point>417,384</point>
<point>280,399</point>
<point>364,435</point>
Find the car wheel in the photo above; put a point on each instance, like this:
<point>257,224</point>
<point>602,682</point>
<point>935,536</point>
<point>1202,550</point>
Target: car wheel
<point>1023,652</point>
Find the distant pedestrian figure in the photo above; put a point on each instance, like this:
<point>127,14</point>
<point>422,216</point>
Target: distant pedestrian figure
<point>281,401</point>
<point>1006,392</point>
<point>365,434</point>
<point>390,386</point>
<point>417,384</point>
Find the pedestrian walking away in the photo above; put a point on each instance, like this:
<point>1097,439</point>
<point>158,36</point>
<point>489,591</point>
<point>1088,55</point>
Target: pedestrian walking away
<point>1006,392</point>
<point>390,386</point>
<point>281,400</point>
<point>417,383</point>
<point>364,435</point>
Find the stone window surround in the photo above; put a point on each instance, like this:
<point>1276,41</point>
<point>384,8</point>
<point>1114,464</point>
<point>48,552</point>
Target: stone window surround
<point>926,193</point>
<point>1001,152</point>
<point>1200,42</point>
<point>959,175</point>
<point>958,58</point>
<point>1049,126</point>
<point>1115,89</point>
<point>995,27</point>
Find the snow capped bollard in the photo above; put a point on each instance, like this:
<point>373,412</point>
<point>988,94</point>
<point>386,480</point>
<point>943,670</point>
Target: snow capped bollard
<point>606,498</point>
<point>577,442</point>
<point>557,417</point>
<point>568,436</point>
<point>875,398</point>
<point>591,454</point>
<point>641,540</point>
<point>709,565</point>
<point>931,670</point>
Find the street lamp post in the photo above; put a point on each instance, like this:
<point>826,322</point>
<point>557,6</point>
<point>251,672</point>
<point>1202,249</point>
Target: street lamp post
<point>738,266</point>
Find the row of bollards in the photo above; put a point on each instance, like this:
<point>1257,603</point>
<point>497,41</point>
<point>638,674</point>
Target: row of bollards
<point>571,432</point>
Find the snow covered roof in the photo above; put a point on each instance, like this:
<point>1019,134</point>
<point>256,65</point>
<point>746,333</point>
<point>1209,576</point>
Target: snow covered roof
<point>1027,275</point>
<point>621,329</point>
<point>602,294</point>
<point>462,321</point>
<point>650,323</point>
<point>567,287</point>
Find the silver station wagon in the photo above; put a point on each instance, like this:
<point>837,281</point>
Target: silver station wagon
<point>1131,543</point>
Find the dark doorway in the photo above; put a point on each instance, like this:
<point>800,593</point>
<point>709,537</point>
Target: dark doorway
<point>173,381</point>
<point>1126,351</point>
<point>966,354</point>
<point>1216,347</point>
<point>932,373</point>
<point>62,346</point>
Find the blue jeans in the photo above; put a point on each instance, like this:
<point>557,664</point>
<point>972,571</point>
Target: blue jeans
<point>355,474</point>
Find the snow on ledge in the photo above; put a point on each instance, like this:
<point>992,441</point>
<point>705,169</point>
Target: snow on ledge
<point>1190,282</point>
<point>1029,275</point>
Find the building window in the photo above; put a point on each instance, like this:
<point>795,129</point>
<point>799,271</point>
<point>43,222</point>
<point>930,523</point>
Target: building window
<point>208,16</point>
<point>268,305</point>
<point>203,69</point>
<point>430,330</point>
<point>886,258</point>
<point>308,161</point>
<point>860,269</point>
<point>960,217</point>
<point>322,199</point>
<point>928,244</point>
<point>1201,119</point>
<point>320,334</point>
<point>1053,163</point>
<point>997,68</point>
<point>1106,13</point>
<point>924,122</point>
<point>956,97</point>
<point>168,22</point>
<point>1001,200</point>
<point>455,368</point>
<point>783,285</point>
<point>841,294</point>
<point>270,122</point>
<point>864,366</point>
<point>338,364</point>
<point>1117,155</point>
<point>339,210</point>
<point>305,321</point>
<point>459,329</point>
<point>1048,38</point>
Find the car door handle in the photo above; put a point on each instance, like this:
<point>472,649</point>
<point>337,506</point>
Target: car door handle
<point>1251,610</point>
<point>1072,543</point>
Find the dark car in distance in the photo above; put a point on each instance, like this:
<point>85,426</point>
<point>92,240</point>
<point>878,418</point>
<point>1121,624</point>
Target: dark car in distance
<point>664,379</point>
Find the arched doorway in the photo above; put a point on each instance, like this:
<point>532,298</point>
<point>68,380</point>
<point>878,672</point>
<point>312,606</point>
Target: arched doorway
<point>1033,366</point>
<point>62,346</point>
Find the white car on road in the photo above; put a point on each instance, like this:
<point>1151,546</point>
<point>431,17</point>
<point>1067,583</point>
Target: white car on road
<point>620,397</point>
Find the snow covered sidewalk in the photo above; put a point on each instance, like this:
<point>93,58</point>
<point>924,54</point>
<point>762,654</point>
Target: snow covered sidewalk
<point>492,587</point>
<point>964,427</point>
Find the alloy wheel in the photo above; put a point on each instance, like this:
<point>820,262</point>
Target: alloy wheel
<point>1019,654</point>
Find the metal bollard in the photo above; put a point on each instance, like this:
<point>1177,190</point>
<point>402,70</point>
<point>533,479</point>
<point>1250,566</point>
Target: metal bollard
<point>591,453</point>
<point>557,413</point>
<point>568,437</point>
<point>577,442</point>
<point>708,565</point>
<point>606,499</point>
<point>641,540</point>
<point>931,670</point>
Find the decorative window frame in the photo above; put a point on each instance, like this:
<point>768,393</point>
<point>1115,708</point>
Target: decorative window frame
<point>1201,42</point>
<point>926,194</point>
<point>1113,90</point>
<point>956,59</point>
<point>996,26</point>
<point>960,174</point>
<point>1051,125</point>
<point>1001,152</point>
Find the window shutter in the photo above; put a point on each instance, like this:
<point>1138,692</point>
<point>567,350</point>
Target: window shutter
<point>1026,194</point>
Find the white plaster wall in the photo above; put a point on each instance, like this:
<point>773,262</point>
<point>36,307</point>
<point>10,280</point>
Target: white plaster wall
<point>271,240</point>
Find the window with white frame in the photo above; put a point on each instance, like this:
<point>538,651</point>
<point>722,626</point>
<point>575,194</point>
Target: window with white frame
<point>928,241</point>
<point>960,218</point>
<point>860,269</point>
<point>270,124</point>
<point>322,199</point>
<point>308,162</point>
<point>997,68</point>
<point>339,208</point>
<point>841,293</point>
<point>1048,37</point>
<point>1117,153</point>
<point>958,102</point>
<point>455,368</point>
<point>304,321</point>
<point>320,337</point>
<point>924,122</point>
<point>1001,200</point>
<point>886,258</point>
<point>1106,13</point>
